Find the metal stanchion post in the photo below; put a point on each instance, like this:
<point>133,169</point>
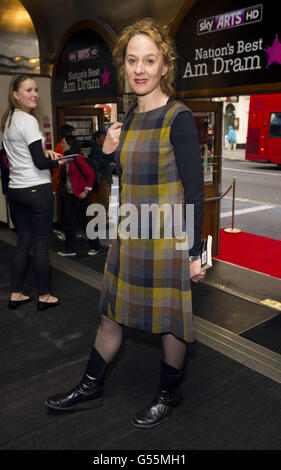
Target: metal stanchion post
<point>232,229</point>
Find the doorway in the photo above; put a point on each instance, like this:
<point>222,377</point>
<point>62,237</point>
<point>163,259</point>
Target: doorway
<point>208,118</point>
<point>85,120</point>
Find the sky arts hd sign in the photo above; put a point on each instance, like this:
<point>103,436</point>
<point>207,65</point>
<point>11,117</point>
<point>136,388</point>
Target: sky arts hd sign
<point>85,69</point>
<point>233,43</point>
<point>230,19</point>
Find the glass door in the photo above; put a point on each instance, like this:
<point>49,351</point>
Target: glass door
<point>85,120</point>
<point>208,118</point>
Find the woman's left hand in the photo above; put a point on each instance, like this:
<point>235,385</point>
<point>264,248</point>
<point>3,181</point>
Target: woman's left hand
<point>112,138</point>
<point>83,195</point>
<point>196,273</point>
<point>52,155</point>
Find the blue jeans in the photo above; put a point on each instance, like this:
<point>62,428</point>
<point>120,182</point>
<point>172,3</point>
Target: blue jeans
<point>34,209</point>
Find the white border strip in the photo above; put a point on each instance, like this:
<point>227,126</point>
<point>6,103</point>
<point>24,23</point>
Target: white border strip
<point>247,210</point>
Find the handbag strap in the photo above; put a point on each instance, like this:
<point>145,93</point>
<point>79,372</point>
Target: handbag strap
<point>78,167</point>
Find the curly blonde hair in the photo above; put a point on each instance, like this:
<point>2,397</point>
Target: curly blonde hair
<point>162,40</point>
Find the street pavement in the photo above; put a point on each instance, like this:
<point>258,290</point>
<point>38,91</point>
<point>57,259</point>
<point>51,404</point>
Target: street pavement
<point>238,154</point>
<point>257,197</point>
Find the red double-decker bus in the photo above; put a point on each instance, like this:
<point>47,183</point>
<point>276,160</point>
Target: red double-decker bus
<point>264,129</point>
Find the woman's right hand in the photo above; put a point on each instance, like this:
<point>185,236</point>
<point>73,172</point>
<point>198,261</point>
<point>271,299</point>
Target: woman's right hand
<point>52,155</point>
<point>112,138</point>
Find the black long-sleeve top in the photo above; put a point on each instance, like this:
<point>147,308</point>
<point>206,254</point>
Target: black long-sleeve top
<point>184,138</point>
<point>39,159</point>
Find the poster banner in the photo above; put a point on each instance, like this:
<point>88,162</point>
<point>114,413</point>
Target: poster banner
<point>229,43</point>
<point>85,69</point>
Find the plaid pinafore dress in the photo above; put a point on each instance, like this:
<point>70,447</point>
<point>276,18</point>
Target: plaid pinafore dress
<point>146,282</point>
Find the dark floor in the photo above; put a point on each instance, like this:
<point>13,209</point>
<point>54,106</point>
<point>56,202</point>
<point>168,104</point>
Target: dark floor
<point>267,334</point>
<point>226,406</point>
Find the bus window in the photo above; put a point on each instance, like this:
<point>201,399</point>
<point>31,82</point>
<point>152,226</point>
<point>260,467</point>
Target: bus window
<point>275,125</point>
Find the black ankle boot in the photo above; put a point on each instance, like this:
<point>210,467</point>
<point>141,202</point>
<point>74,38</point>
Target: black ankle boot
<point>89,393</point>
<point>167,398</point>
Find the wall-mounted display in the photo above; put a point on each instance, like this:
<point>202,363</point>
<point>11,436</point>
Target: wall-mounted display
<point>85,69</point>
<point>226,44</point>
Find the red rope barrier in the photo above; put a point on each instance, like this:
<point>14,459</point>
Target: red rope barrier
<point>228,189</point>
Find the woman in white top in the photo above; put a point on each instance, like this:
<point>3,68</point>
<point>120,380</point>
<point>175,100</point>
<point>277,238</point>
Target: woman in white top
<point>30,189</point>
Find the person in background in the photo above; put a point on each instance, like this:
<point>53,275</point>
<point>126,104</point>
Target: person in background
<point>232,137</point>
<point>5,176</point>
<point>30,189</point>
<point>146,282</point>
<point>65,130</point>
<point>78,182</point>
<point>104,164</point>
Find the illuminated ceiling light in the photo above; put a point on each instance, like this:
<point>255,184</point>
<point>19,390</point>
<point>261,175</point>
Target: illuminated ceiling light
<point>36,69</point>
<point>18,19</point>
<point>34,61</point>
<point>16,59</point>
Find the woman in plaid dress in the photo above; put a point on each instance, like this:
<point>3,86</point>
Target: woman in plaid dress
<point>147,274</point>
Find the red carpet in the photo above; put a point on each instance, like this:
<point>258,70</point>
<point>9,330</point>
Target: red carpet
<point>251,251</point>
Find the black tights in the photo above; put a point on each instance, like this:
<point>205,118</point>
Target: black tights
<point>109,338</point>
<point>33,208</point>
